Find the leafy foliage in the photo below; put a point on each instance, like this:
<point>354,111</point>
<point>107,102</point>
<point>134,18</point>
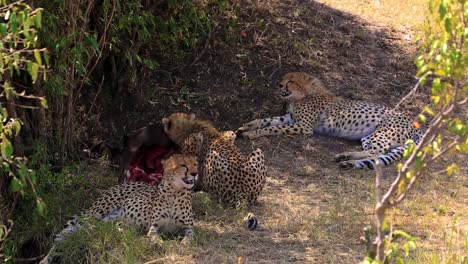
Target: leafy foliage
<point>20,55</point>
<point>442,60</point>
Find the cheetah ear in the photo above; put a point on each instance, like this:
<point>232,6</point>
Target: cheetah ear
<point>199,136</point>
<point>192,116</point>
<point>166,162</point>
<point>166,124</point>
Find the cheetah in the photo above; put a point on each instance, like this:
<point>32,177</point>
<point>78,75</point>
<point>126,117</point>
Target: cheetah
<point>312,109</point>
<point>224,172</point>
<point>166,206</point>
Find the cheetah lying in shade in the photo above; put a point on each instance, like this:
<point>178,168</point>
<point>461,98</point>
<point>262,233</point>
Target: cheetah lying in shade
<point>312,109</point>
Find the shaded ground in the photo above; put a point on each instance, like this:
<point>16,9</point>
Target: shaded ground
<point>310,211</point>
<point>235,76</point>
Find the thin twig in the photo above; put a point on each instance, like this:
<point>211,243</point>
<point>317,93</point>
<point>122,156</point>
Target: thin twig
<point>415,88</point>
<point>156,260</point>
<point>28,259</point>
<point>10,5</point>
<point>95,97</point>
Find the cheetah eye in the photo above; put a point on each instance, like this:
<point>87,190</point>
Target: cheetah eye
<point>281,85</point>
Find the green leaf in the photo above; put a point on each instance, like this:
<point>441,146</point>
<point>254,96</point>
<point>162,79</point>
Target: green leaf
<point>442,9</point>
<point>412,244</point>
<point>6,166</point>
<point>448,24</point>
<point>6,148</point>
<point>17,124</point>
<point>94,43</point>
<point>440,73</point>
<point>3,29</point>
<point>26,25</point>
<point>13,23</point>
<point>46,57</point>
<point>15,185</point>
<point>452,168</point>
<point>419,163</point>
<point>44,103</point>
<point>29,67</point>
<point>34,71</point>
<point>33,177</point>
<point>37,56</point>
<point>422,118</point>
<point>403,234</point>
<point>409,175</point>
<point>41,206</point>
<point>429,111</point>
<point>38,17</point>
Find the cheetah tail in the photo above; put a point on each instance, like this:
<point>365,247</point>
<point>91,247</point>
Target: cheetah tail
<point>386,159</point>
<point>71,227</point>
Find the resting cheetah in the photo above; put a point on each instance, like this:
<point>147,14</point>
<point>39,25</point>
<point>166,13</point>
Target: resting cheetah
<point>312,109</point>
<point>224,172</point>
<point>165,206</point>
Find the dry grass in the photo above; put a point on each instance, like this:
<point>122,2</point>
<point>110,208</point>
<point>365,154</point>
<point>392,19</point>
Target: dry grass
<point>396,14</point>
<point>309,212</point>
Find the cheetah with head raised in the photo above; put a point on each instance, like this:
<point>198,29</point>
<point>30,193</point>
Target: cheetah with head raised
<point>312,109</point>
<point>165,206</point>
<point>224,172</point>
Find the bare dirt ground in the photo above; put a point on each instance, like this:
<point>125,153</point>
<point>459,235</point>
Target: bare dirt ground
<point>310,211</point>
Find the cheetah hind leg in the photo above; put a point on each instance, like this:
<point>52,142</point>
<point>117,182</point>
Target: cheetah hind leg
<point>347,156</point>
<point>370,162</point>
<point>366,145</point>
<point>255,167</point>
<point>350,164</point>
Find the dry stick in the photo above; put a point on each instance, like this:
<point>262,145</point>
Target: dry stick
<point>101,42</point>
<point>16,260</point>
<point>10,5</point>
<point>419,173</point>
<point>156,260</point>
<point>379,210</point>
<point>415,87</point>
<point>95,97</point>
<point>384,203</point>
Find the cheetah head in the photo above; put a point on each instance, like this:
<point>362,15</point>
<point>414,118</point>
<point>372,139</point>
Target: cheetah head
<point>296,85</point>
<point>176,124</point>
<point>181,171</point>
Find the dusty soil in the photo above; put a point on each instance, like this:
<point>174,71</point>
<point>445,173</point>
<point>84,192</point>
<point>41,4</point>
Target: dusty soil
<point>310,210</point>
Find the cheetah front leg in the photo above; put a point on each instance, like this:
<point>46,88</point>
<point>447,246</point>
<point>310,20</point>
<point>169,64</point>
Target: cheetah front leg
<point>188,235</point>
<point>188,231</point>
<point>266,122</point>
<point>295,129</point>
<point>153,233</point>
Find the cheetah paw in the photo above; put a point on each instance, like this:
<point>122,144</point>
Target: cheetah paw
<point>155,239</point>
<point>249,135</point>
<point>346,165</point>
<point>186,241</point>
<point>341,157</point>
